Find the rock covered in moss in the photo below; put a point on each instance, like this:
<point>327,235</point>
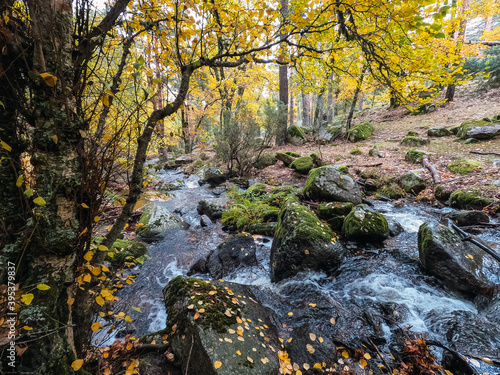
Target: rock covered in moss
<point>466,218</point>
<point>212,207</point>
<point>412,133</point>
<point>442,192</point>
<point>356,151</point>
<point>463,166</point>
<point>257,189</point>
<point>464,127</point>
<point>266,229</point>
<point>213,176</point>
<point>264,161</point>
<point>207,331</point>
<point>126,251</point>
<point>413,141</point>
<point>232,253</point>
<point>438,131</point>
<point>415,156</point>
<point>302,165</point>
<point>374,151</point>
<point>295,135</point>
<point>334,213</point>
<point>316,159</point>
<point>155,222</point>
<point>286,159</point>
<point>412,182</point>
<point>364,224</point>
<point>293,154</point>
<point>469,200</point>
<point>457,263</point>
<point>303,242</point>
<point>360,132</point>
<point>329,184</point>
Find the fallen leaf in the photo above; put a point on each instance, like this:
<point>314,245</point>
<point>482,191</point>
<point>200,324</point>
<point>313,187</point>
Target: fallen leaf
<point>77,365</point>
<point>217,364</point>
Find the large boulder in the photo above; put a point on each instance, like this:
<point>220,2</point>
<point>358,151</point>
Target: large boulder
<point>360,132</point>
<point>231,254</point>
<point>155,222</point>
<point>220,328</point>
<point>295,135</point>
<point>412,183</point>
<point>213,176</point>
<point>483,132</point>
<point>302,165</point>
<point>463,166</point>
<point>334,213</point>
<point>303,242</point>
<point>466,218</point>
<point>364,224</point>
<point>329,184</point>
<point>415,156</point>
<point>264,161</point>
<point>411,140</point>
<point>459,264</point>
<point>285,158</point>
<point>212,207</point>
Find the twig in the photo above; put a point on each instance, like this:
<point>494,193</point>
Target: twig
<point>364,165</point>
<point>434,172</point>
<point>485,153</point>
<point>189,356</point>
<point>381,356</point>
<point>455,354</point>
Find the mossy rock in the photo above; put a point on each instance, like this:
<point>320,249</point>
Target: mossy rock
<point>341,168</point>
<point>438,131</point>
<point>356,151</point>
<point>303,242</point>
<point>469,200</point>
<point>391,189</point>
<point>360,132</point>
<point>415,156</point>
<point>295,131</point>
<point>329,184</point>
<point>302,165</point>
<point>374,151</point>
<point>155,221</point>
<point>334,213</point>
<point>365,225</point>
<point>264,161</point>
<point>464,166</point>
<point>442,193</point>
<point>412,183</point>
<point>286,159</point>
<point>412,133</point>
<point>266,229</point>
<point>462,130</point>
<point>257,189</point>
<point>316,159</point>
<point>293,154</point>
<point>412,141</point>
<point>124,250</point>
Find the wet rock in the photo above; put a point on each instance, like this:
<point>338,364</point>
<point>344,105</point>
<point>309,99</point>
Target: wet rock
<point>231,254</point>
<point>302,242</point>
<point>469,200</point>
<point>302,165</point>
<point>218,191</point>
<point>199,266</point>
<point>183,160</point>
<point>442,192</point>
<point>242,182</point>
<point>205,221</point>
<point>329,184</point>
<point>155,363</point>
<point>411,182</point>
<point>213,337</point>
<point>334,213</point>
<point>466,218</point>
<point>438,131</point>
<point>212,207</point>
<point>464,166</point>
<point>394,228</point>
<point>364,224</point>
<point>360,132</point>
<point>492,313</point>
<point>459,264</point>
<point>155,222</point>
<point>213,176</point>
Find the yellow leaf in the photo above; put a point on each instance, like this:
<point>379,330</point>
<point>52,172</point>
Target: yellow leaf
<point>55,139</point>
<point>6,19</point>
<point>217,364</point>
<point>100,300</point>
<point>317,365</point>
<point>20,181</point>
<point>290,313</point>
<point>27,328</point>
<point>84,205</point>
<point>71,301</point>
<point>312,336</point>
<point>470,256</point>
<point>107,371</point>
<point>27,298</point>
<point>298,373</point>
<point>196,316</point>
<point>102,248</point>
<point>96,271</point>
<point>332,320</point>
<point>39,201</point>
<point>43,287</point>
<point>111,254</point>
<point>310,348</point>
<point>96,326</point>
<point>105,99</point>
<point>49,79</point>
<point>212,292</point>
<point>128,319</point>
<point>345,354</point>
<point>87,278</point>
<point>448,372</point>
<point>88,256</point>
<point>77,365</point>
<point>104,268</point>
<point>362,363</point>
<point>83,134</point>
<point>367,356</point>
<point>5,146</point>
<point>249,359</point>
<point>96,219</point>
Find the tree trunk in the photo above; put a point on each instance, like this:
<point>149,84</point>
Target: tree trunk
<point>291,110</point>
<point>283,87</point>
<point>330,111</point>
<point>355,99</point>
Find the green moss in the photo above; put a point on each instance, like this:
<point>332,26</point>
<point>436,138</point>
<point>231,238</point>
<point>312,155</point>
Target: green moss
<point>356,151</point>
<point>442,193</point>
<point>328,210</point>
<point>302,165</point>
<point>292,153</point>
<point>412,133</point>
<point>295,131</point>
<point>256,189</point>
<point>415,156</point>
<point>469,200</point>
<point>124,250</point>
<point>466,125</point>
<point>360,132</point>
<point>313,174</point>
<point>364,224</point>
<point>391,190</point>
<point>264,161</point>
<point>181,289</point>
<point>438,131</point>
<point>286,159</point>
<point>464,166</point>
<point>413,141</point>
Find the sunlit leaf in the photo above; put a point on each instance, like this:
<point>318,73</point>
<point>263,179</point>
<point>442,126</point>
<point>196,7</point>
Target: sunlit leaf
<point>100,300</point>
<point>20,181</point>
<point>27,298</point>
<point>43,287</point>
<point>5,146</point>
<point>70,301</point>
<point>95,326</point>
<point>49,79</point>
<point>217,364</point>
<point>88,256</point>
<point>77,365</point>
<point>39,201</point>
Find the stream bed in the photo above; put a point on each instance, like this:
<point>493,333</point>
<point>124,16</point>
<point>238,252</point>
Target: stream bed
<point>378,292</point>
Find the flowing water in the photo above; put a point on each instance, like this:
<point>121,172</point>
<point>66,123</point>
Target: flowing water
<point>377,292</point>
